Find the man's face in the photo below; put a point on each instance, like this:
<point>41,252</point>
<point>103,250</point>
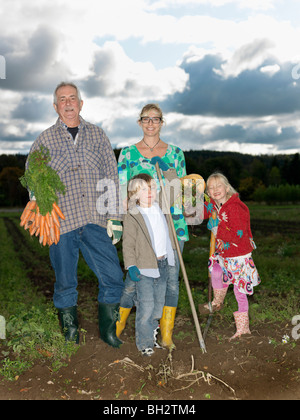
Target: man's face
<point>68,105</point>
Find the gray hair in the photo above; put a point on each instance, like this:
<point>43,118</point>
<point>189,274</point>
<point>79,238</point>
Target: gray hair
<point>62,84</point>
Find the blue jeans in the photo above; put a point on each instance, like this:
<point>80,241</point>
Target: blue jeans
<point>172,294</point>
<point>100,255</point>
<point>150,300</point>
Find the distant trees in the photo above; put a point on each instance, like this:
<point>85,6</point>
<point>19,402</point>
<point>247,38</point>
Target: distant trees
<point>260,178</point>
<point>11,191</point>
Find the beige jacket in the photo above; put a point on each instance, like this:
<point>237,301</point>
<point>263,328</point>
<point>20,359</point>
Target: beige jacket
<point>137,246</point>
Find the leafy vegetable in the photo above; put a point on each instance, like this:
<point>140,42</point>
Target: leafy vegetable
<point>42,180</point>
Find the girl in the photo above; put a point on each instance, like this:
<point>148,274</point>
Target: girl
<point>148,251</point>
<point>232,261</point>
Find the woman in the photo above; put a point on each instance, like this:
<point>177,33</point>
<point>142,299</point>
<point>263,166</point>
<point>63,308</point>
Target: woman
<point>132,161</point>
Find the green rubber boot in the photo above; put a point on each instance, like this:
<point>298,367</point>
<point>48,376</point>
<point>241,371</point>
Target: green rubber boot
<point>69,323</point>
<point>107,317</point>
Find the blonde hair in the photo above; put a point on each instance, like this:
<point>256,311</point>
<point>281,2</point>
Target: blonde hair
<point>222,178</point>
<point>135,185</point>
<point>150,107</point>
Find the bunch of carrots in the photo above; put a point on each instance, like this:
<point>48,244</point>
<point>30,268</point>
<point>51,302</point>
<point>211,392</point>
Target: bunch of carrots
<point>46,227</point>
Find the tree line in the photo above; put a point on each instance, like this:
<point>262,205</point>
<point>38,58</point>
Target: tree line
<point>270,178</point>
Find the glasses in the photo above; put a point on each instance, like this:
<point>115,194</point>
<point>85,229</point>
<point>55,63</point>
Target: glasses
<point>155,120</point>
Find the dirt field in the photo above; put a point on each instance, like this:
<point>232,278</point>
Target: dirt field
<point>255,367</point>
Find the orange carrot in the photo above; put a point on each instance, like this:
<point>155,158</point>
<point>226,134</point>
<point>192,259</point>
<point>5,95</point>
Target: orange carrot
<point>57,234</point>
<point>46,228</point>
<point>32,229</point>
<point>47,219</point>
<point>52,234</point>
<point>45,238</point>
<point>38,219</point>
<point>27,212</point>
<point>27,207</point>
<point>42,224</point>
<point>58,211</point>
<point>32,204</point>
<point>55,218</point>
<point>31,217</point>
<point>26,217</point>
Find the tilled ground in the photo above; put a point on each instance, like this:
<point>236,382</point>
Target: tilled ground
<point>255,367</point>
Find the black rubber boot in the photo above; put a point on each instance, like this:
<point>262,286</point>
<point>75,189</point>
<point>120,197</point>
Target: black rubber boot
<point>69,323</point>
<point>107,317</point>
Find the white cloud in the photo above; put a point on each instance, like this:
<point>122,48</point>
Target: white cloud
<point>114,74</point>
<point>44,42</point>
<point>243,4</point>
<point>271,70</point>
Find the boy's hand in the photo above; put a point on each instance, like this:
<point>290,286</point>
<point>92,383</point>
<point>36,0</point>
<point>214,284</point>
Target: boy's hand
<point>134,273</point>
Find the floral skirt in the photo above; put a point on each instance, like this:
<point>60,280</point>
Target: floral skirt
<point>239,271</point>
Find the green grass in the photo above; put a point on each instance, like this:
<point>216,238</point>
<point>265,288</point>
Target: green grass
<point>33,331</point>
<point>286,212</point>
<point>277,259</point>
<point>32,326</point>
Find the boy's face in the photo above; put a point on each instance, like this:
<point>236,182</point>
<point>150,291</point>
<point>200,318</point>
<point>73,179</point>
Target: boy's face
<point>147,194</point>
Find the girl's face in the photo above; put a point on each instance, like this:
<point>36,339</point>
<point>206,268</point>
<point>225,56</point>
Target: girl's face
<point>147,194</point>
<point>217,190</point>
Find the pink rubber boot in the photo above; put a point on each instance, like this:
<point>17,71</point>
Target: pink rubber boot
<point>242,324</point>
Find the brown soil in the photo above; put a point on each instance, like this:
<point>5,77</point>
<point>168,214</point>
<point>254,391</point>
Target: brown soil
<point>254,367</point>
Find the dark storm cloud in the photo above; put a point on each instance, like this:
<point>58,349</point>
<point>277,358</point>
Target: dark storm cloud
<point>25,136</point>
<point>251,93</point>
<point>124,127</point>
<point>33,109</point>
<point>254,134</point>
<point>97,84</point>
<point>32,66</point>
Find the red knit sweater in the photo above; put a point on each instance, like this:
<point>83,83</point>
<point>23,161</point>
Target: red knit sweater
<point>234,236</point>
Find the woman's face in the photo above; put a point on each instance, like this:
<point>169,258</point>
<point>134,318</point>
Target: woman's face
<point>149,128</point>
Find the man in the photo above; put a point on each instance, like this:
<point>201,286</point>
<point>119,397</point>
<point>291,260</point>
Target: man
<point>82,156</point>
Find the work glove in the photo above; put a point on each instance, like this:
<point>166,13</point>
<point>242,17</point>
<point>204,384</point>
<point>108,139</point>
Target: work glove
<point>31,196</point>
<point>213,225</point>
<point>114,230</point>
<point>134,273</point>
<point>163,166</point>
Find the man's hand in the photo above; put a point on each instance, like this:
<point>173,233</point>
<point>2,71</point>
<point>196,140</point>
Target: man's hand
<point>114,230</point>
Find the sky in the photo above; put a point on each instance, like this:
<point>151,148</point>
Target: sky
<point>226,73</point>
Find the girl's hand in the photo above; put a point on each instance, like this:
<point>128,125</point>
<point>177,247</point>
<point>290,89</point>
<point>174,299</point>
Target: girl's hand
<point>213,225</point>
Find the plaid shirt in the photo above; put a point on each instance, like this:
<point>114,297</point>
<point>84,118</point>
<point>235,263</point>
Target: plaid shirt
<point>88,168</point>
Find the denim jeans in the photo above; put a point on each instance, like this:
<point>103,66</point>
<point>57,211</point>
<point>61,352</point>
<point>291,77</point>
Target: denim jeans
<point>172,294</point>
<point>150,300</point>
<point>100,255</point>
